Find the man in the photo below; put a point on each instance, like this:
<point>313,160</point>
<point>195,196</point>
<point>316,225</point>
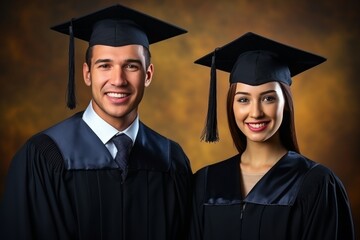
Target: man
<point>69,181</point>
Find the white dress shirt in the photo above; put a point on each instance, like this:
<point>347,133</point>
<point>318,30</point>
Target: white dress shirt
<point>105,131</point>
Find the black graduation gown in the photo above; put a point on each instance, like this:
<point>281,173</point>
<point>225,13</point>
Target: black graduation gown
<point>295,199</point>
<point>64,184</point>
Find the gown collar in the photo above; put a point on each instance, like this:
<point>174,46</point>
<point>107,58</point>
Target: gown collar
<point>81,148</point>
<point>279,186</point>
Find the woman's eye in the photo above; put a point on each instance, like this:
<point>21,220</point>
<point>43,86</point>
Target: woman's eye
<point>269,99</point>
<point>242,100</point>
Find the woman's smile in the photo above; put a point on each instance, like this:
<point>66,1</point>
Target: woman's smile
<point>257,127</point>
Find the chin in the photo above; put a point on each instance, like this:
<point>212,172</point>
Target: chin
<point>259,139</point>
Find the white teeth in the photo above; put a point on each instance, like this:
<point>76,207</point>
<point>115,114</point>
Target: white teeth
<point>256,125</point>
<point>116,95</point>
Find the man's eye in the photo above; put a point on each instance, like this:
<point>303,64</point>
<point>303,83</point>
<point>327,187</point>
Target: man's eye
<point>132,67</point>
<point>104,66</point>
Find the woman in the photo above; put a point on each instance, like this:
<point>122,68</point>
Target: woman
<point>269,190</point>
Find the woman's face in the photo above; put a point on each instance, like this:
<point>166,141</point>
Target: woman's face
<point>259,110</point>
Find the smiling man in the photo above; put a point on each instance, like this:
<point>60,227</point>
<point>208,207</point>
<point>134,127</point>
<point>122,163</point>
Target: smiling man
<point>102,174</point>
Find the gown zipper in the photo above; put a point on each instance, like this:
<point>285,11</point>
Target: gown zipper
<point>242,205</point>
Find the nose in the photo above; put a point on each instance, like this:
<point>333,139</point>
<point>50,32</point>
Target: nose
<point>256,110</point>
<point>118,77</point>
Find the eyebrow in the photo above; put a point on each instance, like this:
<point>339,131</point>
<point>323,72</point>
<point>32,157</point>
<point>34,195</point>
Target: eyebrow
<point>126,61</point>
<point>133,61</point>
<point>263,93</point>
<point>102,61</point>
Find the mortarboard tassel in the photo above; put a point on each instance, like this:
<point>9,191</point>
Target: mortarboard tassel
<point>71,99</point>
<point>210,132</point>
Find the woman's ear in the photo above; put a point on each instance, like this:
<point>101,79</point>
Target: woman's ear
<point>86,74</point>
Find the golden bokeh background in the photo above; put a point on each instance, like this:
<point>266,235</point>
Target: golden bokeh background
<point>33,74</point>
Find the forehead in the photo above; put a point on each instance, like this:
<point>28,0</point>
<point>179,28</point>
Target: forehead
<point>127,51</point>
<point>269,86</point>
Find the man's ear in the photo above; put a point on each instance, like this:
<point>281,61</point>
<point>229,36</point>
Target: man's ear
<point>86,74</point>
<point>149,75</point>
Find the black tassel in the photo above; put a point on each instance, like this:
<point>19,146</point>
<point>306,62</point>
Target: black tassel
<point>210,132</point>
<point>71,98</point>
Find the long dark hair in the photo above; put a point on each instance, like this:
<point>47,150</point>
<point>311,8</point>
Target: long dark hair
<point>286,130</point>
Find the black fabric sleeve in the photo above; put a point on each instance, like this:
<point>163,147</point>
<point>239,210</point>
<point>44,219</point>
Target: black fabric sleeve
<point>33,201</point>
<point>325,207</point>
<point>196,222</point>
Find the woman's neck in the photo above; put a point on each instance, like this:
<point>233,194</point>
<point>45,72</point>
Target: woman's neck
<point>260,157</point>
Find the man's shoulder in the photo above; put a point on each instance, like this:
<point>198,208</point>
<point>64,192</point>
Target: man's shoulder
<point>44,142</point>
<point>73,131</point>
<point>156,137</point>
<point>153,145</point>
<point>69,122</point>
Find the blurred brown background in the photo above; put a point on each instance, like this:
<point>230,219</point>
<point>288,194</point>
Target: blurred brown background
<point>33,74</point>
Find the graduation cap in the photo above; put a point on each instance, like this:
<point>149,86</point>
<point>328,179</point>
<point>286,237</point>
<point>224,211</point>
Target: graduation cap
<point>253,60</point>
<point>113,26</point>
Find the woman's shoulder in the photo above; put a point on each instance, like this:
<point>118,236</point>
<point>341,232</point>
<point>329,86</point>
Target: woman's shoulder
<point>316,169</point>
<point>320,178</point>
<point>321,174</point>
<point>218,182</point>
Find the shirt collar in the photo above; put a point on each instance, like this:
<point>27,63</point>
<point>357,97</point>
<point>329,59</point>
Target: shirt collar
<point>104,130</point>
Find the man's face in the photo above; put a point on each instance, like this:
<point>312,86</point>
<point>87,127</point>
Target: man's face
<point>117,78</point>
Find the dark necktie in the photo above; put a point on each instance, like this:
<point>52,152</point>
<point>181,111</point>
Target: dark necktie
<point>123,144</point>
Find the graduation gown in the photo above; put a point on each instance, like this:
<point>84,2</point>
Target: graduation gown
<point>64,184</point>
<point>295,199</point>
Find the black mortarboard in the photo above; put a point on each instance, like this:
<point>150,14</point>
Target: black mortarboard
<point>254,60</point>
<point>113,26</point>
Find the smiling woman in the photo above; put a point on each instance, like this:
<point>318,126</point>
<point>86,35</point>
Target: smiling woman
<point>258,110</point>
<point>284,96</point>
<point>239,198</point>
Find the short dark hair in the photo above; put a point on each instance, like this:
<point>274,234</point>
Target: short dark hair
<point>287,128</point>
<point>147,55</point>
